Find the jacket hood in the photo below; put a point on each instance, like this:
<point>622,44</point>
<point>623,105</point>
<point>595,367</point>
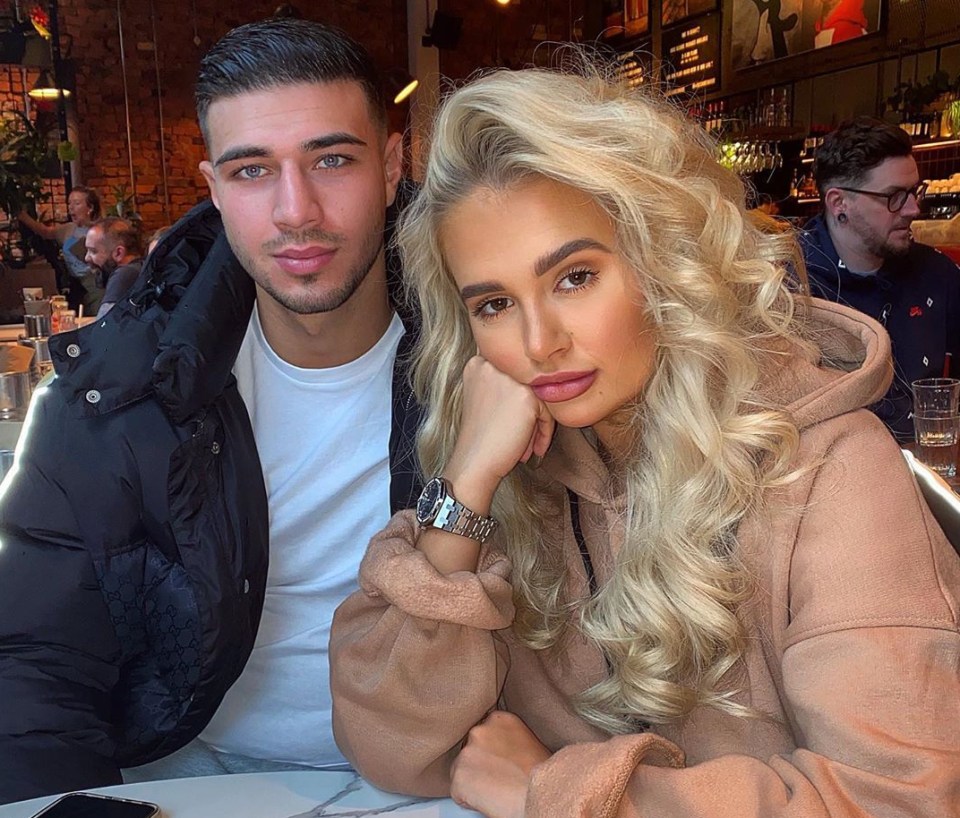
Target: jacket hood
<point>847,366</point>
<point>176,335</point>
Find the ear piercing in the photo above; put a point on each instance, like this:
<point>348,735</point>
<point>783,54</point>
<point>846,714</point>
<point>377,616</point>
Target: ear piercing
<point>842,217</point>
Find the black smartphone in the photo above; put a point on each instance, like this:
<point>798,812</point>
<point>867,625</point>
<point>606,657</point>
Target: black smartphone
<point>89,805</point>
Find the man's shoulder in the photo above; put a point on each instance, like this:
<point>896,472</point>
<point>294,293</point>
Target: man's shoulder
<point>931,257</point>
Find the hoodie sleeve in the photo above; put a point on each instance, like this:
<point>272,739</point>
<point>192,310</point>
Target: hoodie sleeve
<point>870,674</point>
<point>416,660</point>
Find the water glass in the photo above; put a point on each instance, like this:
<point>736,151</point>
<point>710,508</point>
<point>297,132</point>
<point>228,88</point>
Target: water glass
<point>936,423</point>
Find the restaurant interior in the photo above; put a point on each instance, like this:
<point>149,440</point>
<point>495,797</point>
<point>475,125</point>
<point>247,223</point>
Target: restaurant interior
<point>100,95</point>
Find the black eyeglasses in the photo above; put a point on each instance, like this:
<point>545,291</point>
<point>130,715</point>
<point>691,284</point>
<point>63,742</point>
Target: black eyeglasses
<point>895,200</point>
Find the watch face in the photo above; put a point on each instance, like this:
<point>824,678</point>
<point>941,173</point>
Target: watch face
<point>430,500</point>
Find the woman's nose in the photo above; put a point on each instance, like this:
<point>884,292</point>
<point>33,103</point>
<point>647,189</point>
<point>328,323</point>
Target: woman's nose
<point>545,335</point>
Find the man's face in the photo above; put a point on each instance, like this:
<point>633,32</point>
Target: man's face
<point>302,176</point>
<point>880,232</point>
<point>100,253</point>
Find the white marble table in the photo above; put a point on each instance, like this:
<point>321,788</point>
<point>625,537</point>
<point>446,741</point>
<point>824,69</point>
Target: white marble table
<point>267,795</point>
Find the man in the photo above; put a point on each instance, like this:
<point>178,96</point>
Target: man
<point>859,252</point>
<point>113,250</point>
<point>248,391</point>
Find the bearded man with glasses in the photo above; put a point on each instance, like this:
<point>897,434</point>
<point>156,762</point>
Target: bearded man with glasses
<point>859,252</point>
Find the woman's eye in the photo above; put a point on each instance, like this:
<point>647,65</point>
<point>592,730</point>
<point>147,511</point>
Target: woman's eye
<point>576,279</point>
<point>492,307</point>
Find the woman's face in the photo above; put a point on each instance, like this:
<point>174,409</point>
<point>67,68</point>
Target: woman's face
<point>552,303</point>
<point>78,207</point>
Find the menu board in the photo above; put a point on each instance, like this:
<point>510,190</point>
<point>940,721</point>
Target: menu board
<point>691,56</point>
<point>636,67</point>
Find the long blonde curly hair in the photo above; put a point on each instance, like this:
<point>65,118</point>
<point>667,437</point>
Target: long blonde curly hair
<point>716,287</point>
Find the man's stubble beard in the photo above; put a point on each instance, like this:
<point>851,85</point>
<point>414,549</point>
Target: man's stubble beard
<point>306,302</point>
<point>878,245</point>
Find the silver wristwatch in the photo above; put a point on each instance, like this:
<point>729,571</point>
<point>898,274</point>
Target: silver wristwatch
<point>438,508</point>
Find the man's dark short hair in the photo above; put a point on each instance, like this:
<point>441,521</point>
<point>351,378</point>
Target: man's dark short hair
<point>119,231</point>
<point>285,51</point>
<point>855,148</point>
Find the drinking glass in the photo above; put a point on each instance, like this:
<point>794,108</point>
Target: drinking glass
<point>936,423</point>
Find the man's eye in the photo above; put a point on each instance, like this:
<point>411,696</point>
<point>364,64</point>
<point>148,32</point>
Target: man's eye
<point>250,172</point>
<point>333,161</point>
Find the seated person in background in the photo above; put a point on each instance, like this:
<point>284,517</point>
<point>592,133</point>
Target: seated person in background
<point>713,590</point>
<point>155,239</point>
<point>859,252</point>
<point>113,249</point>
<point>83,205</point>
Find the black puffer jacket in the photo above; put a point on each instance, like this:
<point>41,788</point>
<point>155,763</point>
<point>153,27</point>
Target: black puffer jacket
<point>133,528</point>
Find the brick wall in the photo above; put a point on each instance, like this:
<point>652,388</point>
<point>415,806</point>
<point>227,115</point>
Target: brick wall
<point>91,38</point>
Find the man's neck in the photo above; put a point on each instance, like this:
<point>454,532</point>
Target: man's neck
<point>854,256</point>
<point>328,339</point>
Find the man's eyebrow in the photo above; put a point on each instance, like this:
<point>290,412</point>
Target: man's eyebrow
<point>241,152</point>
<point>543,264</point>
<point>331,140</point>
<point>316,144</point>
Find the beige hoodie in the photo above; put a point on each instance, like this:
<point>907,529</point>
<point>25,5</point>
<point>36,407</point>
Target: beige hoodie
<point>854,646</point>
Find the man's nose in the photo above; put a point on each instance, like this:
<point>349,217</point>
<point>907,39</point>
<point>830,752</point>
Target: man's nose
<point>297,202</point>
<point>911,207</point>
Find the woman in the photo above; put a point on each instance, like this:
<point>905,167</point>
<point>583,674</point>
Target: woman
<point>714,589</point>
<point>83,206</point>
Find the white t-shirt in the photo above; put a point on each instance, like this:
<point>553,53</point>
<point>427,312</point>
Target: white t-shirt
<point>323,437</point>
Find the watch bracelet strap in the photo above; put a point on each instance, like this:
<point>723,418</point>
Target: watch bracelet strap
<point>466,523</point>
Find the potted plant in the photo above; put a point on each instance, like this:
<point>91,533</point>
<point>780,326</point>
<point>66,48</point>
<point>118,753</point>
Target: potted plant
<point>24,154</point>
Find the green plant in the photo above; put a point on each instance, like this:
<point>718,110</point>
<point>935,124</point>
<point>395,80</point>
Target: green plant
<point>123,204</point>
<point>951,119</point>
<point>913,97</point>
<point>67,152</point>
<point>23,156</point>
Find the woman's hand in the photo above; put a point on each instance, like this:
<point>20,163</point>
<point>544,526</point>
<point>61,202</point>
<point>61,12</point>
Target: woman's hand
<point>492,772</point>
<point>503,423</point>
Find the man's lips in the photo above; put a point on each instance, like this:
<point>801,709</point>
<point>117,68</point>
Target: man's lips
<point>304,260</point>
<point>561,386</point>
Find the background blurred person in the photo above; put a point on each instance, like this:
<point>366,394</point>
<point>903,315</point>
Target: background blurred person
<point>113,249</point>
<point>83,206</point>
<point>859,251</point>
<point>156,237</point>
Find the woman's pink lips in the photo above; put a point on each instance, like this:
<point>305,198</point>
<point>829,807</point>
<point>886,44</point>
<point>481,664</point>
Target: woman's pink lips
<point>304,262</point>
<point>565,389</point>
